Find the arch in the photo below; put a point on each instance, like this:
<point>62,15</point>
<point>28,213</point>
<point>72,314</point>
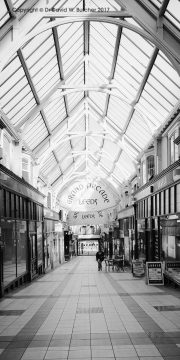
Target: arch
<point>117,22</point>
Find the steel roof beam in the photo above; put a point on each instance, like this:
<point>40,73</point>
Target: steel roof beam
<point>141,88</point>
<point>165,38</point>
<point>45,101</point>
<point>146,15</point>
<point>60,65</point>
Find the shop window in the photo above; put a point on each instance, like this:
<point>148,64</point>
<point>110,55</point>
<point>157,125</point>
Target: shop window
<point>21,240</point>
<point>26,168</point>
<point>8,238</point>
<point>6,152</point>
<point>143,172</point>
<point>169,200</point>
<point>174,146</point>
<point>49,200</point>
<point>159,203</point>
<point>155,200</point>
<point>39,243</point>
<point>150,167</point>
<point>13,205</point>
<point>164,196</point>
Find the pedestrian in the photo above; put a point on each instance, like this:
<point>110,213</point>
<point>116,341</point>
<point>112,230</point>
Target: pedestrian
<point>99,259</point>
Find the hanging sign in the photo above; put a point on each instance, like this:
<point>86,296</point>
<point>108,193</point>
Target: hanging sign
<point>154,273</point>
<point>87,218</point>
<point>88,196</point>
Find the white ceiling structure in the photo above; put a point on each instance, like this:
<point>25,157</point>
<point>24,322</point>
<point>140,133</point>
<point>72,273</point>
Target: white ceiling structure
<point>87,83</point>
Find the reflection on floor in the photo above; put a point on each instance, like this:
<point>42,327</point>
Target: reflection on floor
<point>76,312</point>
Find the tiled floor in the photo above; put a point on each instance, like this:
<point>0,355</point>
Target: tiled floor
<point>76,312</point>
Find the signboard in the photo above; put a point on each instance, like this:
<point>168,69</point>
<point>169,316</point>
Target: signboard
<point>87,196</point>
<point>87,218</point>
<point>138,268</point>
<point>154,273</point>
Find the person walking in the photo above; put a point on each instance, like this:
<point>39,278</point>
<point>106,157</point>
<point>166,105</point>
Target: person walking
<point>99,259</point>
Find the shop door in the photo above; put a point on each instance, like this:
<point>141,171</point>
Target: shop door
<point>33,247</point>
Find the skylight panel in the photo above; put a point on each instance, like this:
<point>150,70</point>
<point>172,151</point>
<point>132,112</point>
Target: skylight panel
<point>68,33</point>
<point>94,74</point>
<point>40,51</point>
<point>157,3</point>
<point>134,48</point>
<point>159,98</point>
<point>63,149</point>
<point>37,127</point>
<point>78,143</point>
<point>20,94</point>
<point>74,4</point>
<point>13,81</point>
<point>4,15</point>
<point>103,5</point>
<point>55,112</point>
<point>98,98</point>
<point>164,72</point>
<point>170,96</point>
<point>126,163</point>
<point>21,108</point>
<point>100,33</point>
<point>70,63</point>
<point>138,131</point>
<point>49,164</point>
<point>173,12</point>
<point>135,64</point>
<point>125,72</point>
<point>77,77</point>
<point>125,87</point>
<point>74,99</point>
<point>106,162</point>
<point>118,112</point>
<point>30,48</point>
<point>65,164</point>
<point>155,104</point>
<point>54,175</point>
<point>78,126</point>
<point>17,3</point>
<point>49,81</point>
<point>151,111</point>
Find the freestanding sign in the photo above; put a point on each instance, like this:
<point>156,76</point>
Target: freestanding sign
<point>138,268</point>
<point>154,273</point>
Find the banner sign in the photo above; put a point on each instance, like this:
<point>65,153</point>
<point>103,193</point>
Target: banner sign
<point>87,218</point>
<point>88,196</point>
<point>154,273</point>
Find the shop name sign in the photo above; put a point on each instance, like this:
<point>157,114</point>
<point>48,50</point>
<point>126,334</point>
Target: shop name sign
<point>88,196</point>
<point>82,186</point>
<point>87,218</point>
<point>164,181</point>
<point>88,202</point>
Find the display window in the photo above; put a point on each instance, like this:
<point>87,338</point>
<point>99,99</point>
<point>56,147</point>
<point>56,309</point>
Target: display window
<point>14,238</point>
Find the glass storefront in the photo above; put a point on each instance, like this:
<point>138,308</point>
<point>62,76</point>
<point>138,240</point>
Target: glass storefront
<point>170,239</point>
<point>14,238</point>
<point>39,243</point>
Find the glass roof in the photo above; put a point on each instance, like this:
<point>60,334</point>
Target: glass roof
<point>92,85</point>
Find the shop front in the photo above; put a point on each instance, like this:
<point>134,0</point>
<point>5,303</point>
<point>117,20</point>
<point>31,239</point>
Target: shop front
<point>21,243</point>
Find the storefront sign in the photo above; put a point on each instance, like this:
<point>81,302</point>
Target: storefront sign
<point>138,268</point>
<point>87,218</point>
<point>154,273</point>
<point>88,196</point>
<point>163,182</point>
